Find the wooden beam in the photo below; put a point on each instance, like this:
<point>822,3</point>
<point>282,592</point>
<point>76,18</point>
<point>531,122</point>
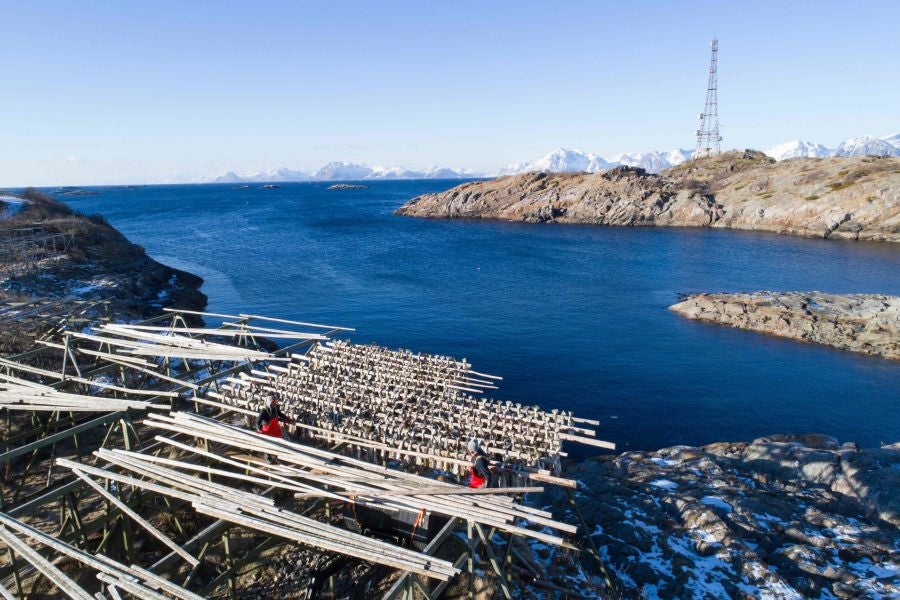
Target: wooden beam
<point>50,571</point>
<point>60,435</point>
<point>137,518</point>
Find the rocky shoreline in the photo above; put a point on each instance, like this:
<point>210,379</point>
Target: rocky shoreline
<point>100,264</point>
<point>837,198</point>
<point>866,323</point>
<point>779,517</point>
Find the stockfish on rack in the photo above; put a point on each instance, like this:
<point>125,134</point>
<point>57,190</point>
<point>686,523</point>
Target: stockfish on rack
<point>419,404</point>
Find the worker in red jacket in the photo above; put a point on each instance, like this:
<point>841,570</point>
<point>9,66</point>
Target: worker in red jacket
<point>480,471</point>
<point>269,422</point>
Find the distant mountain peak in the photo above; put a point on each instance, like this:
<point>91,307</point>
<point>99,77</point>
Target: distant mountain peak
<point>799,148</point>
<point>565,160</point>
<point>229,177</point>
<point>653,162</point>
<point>866,144</point>
<point>855,146</point>
<point>338,170</point>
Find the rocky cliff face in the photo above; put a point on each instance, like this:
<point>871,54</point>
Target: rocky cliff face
<point>867,323</point>
<point>781,517</point>
<point>848,198</point>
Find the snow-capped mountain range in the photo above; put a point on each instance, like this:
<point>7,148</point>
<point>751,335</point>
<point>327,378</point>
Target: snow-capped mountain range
<point>344,171</point>
<point>563,160</point>
<point>858,146</point>
<point>263,176</point>
<point>559,161</point>
<point>799,148</point>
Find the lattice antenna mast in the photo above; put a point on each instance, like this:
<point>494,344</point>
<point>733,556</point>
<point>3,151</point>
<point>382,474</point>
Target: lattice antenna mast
<point>708,139</point>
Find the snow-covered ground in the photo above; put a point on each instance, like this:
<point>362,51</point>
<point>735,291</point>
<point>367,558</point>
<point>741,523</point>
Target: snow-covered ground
<point>782,517</point>
<point>13,205</point>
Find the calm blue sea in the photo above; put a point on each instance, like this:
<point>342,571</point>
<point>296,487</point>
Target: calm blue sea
<point>572,316</point>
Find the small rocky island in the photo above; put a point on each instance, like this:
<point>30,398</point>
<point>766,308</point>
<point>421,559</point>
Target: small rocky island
<point>867,323</point>
<point>75,191</point>
<point>347,186</point>
<point>837,198</point>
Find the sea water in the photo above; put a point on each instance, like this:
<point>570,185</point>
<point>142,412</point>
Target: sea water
<point>573,317</point>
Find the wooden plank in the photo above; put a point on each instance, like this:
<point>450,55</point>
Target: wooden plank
<point>136,589</point>
<point>222,332</point>
<point>222,405</point>
<point>443,491</point>
<point>113,591</point>
<point>137,518</point>
<point>298,323</point>
<point>222,473</point>
<point>57,577</point>
<point>181,382</point>
<point>587,441</point>
<point>286,451</point>
<point>99,562</point>
<point>5,593</point>
<point>561,481</point>
<point>427,568</point>
<point>97,354</point>
<point>285,524</point>
<point>153,580</point>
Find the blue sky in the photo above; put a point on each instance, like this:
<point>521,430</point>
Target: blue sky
<point>95,92</point>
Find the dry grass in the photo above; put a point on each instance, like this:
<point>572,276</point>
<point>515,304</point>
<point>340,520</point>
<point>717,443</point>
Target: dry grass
<point>840,185</point>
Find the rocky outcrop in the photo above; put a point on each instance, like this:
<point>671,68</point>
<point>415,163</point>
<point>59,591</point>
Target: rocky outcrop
<point>781,517</point>
<point>843,197</point>
<point>347,186</point>
<point>99,264</point>
<point>867,323</point>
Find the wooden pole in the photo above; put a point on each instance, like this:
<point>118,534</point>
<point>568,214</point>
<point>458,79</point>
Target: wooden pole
<point>137,518</point>
<point>48,569</point>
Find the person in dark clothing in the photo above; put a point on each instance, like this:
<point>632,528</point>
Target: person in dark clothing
<point>480,472</point>
<point>268,422</point>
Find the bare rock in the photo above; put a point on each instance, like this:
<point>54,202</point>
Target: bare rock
<point>867,323</point>
<point>782,516</point>
<point>837,198</point>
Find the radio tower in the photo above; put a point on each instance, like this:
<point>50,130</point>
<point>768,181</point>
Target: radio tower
<point>708,138</point>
